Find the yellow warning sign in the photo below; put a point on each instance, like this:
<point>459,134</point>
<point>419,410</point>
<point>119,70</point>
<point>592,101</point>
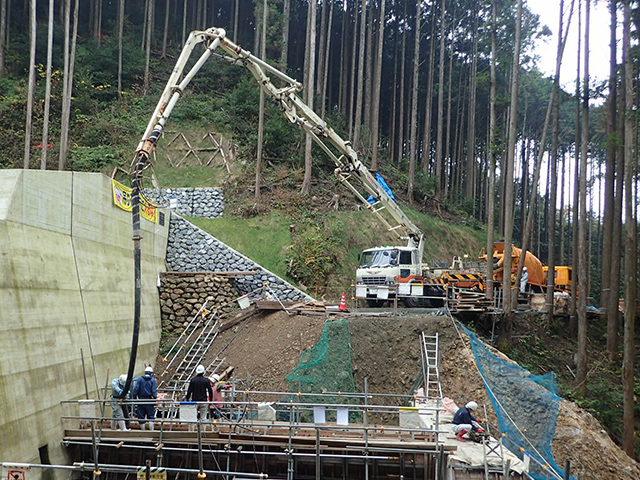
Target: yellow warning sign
<point>122,198</point>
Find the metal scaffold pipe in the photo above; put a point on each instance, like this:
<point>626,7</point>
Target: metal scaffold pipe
<point>85,467</point>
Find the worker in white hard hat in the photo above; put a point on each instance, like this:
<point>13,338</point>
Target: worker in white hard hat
<point>524,280</point>
<point>200,391</point>
<point>146,389</point>
<point>464,421</point>
<point>117,412</point>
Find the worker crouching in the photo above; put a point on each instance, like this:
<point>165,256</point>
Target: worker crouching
<point>464,422</point>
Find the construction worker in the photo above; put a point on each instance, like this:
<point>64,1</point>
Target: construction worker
<point>146,389</point>
<point>524,280</point>
<point>118,414</point>
<point>200,391</point>
<point>464,421</point>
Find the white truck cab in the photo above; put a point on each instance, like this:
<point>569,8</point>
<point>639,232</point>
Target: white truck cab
<point>382,269</point>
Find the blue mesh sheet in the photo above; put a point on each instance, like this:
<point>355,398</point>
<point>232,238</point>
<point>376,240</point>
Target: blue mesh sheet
<point>521,399</point>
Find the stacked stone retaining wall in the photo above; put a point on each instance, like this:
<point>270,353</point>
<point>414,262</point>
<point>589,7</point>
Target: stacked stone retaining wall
<point>182,296</point>
<point>191,249</point>
<point>194,202</point>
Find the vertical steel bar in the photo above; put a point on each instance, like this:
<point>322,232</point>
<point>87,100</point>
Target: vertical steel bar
<point>200,461</point>
<point>366,425</point>
<point>317,454</point>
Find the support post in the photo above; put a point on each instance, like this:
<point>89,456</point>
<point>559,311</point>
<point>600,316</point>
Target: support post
<point>200,461</point>
<point>318,469</point>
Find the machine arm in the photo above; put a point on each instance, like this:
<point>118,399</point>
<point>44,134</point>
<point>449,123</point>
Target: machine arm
<point>349,169</point>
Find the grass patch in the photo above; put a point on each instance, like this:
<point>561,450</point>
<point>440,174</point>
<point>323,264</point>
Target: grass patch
<point>263,239</point>
<point>193,176</point>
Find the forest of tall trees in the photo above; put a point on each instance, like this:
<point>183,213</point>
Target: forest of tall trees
<point>445,92</point>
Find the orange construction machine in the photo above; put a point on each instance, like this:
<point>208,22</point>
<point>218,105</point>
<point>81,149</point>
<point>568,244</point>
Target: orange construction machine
<point>537,272</point>
<point>534,266</point>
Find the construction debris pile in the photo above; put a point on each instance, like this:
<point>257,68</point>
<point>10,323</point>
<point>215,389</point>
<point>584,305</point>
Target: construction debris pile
<point>183,295</point>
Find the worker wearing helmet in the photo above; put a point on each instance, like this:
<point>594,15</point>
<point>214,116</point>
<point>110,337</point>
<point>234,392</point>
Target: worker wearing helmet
<point>464,421</point>
<point>524,279</point>
<point>146,389</point>
<point>200,391</point>
<point>117,411</point>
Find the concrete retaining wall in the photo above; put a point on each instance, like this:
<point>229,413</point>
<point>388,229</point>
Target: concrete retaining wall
<point>66,291</point>
<point>191,249</point>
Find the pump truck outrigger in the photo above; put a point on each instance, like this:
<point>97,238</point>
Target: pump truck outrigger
<point>384,272</point>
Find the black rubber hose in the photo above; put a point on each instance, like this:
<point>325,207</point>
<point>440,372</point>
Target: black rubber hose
<point>135,218</point>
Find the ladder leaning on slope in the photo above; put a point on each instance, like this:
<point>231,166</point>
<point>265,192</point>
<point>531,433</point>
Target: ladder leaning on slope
<point>430,372</point>
<point>187,353</point>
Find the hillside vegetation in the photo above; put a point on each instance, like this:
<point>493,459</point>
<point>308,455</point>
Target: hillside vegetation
<point>308,242</point>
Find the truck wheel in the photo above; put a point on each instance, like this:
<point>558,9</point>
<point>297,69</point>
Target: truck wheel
<point>412,302</point>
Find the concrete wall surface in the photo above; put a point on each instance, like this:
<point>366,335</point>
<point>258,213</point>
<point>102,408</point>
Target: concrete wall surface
<point>66,293</point>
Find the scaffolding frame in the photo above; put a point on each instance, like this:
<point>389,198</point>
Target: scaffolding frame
<point>358,444</point>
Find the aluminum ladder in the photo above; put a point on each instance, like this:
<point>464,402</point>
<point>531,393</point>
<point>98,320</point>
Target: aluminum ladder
<point>187,353</point>
<point>431,374</point>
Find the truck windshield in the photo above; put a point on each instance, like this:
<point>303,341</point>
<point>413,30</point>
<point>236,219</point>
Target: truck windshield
<point>378,258</point>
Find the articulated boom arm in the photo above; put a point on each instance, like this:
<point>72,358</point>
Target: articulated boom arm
<point>349,170</point>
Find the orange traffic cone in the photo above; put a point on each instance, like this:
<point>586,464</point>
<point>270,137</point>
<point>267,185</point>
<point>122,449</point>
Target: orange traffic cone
<point>343,304</point>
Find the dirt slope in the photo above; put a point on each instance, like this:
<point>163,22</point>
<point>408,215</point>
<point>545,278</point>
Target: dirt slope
<point>264,349</point>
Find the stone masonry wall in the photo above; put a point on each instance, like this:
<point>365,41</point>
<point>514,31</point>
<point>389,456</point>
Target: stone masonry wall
<point>190,249</point>
<point>194,202</point>
<point>182,296</point>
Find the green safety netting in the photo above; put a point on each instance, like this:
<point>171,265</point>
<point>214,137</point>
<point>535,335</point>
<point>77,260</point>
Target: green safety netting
<point>326,369</point>
<point>526,406</point>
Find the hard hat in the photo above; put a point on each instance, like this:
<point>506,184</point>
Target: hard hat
<point>199,369</point>
<point>215,377</point>
<point>123,378</point>
<point>472,405</point>
<point>524,269</point>
<point>149,369</point>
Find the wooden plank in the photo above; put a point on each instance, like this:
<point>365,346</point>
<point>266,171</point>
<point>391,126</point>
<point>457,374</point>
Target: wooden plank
<point>243,315</point>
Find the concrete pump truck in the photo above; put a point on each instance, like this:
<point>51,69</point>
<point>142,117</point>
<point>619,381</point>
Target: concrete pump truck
<point>384,272</point>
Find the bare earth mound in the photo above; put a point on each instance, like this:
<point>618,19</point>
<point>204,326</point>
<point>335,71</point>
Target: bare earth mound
<point>386,349</point>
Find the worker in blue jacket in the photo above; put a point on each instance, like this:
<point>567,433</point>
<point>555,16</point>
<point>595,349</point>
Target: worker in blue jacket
<point>464,421</point>
<point>146,389</point>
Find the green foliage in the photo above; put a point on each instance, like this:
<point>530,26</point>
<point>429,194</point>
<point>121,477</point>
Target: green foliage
<point>12,102</point>
<point>91,159</point>
<point>542,348</point>
<point>97,68</point>
<point>313,256</point>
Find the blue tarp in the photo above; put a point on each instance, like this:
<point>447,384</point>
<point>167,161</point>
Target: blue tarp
<point>526,406</point>
<point>384,185</point>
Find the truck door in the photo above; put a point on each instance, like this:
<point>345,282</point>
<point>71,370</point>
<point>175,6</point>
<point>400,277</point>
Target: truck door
<point>405,263</point>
